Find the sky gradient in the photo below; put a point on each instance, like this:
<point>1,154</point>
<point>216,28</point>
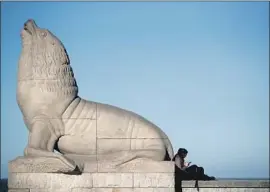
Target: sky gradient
<point>199,70</point>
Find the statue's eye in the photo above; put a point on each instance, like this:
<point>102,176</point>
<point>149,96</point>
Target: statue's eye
<point>43,34</point>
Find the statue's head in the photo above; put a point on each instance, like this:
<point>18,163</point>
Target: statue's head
<point>42,45</point>
<point>44,57</point>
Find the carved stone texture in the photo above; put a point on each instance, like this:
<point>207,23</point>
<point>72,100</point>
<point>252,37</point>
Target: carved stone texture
<point>123,182</point>
<point>89,136</point>
<point>51,182</point>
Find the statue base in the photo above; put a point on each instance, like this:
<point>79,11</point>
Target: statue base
<point>140,176</point>
<point>91,182</point>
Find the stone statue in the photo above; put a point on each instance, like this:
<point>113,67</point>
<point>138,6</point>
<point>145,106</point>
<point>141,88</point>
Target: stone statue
<point>58,119</point>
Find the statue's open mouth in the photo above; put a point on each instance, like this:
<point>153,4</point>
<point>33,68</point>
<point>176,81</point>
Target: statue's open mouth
<point>30,26</point>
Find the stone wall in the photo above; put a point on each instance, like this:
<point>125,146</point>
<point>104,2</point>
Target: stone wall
<point>123,182</point>
<point>138,177</point>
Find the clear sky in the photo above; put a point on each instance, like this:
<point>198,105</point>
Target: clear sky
<point>200,71</point>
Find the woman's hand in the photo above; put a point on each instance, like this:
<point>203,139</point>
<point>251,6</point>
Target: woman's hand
<point>187,164</point>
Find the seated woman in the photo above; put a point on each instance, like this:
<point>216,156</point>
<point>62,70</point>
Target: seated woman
<point>189,172</point>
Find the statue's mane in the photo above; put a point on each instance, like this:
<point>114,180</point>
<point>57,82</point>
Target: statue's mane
<point>48,68</point>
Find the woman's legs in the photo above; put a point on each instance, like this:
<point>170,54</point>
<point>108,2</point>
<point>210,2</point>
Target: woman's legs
<point>196,172</point>
<point>200,173</point>
<point>192,170</point>
<point>182,175</point>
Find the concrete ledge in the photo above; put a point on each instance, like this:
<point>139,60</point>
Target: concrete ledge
<point>52,181</point>
<point>226,190</point>
<point>48,181</point>
<point>123,182</point>
<point>143,190</point>
<point>228,184</point>
<point>54,165</point>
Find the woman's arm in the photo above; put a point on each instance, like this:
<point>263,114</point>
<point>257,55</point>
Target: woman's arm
<point>179,163</point>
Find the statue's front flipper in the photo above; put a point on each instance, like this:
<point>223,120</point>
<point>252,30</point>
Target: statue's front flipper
<point>34,164</point>
<point>40,148</point>
<point>67,163</point>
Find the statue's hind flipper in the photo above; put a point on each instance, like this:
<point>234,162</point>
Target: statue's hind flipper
<point>123,161</point>
<point>119,161</point>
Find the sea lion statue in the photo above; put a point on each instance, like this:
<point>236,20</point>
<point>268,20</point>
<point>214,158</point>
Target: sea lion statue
<point>58,119</point>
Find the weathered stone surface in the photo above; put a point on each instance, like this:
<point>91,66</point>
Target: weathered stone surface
<point>109,178</point>
<point>38,165</point>
<point>124,190</point>
<point>124,182</point>
<point>228,183</point>
<point>112,180</point>
<point>18,190</point>
<point>48,180</point>
<point>171,190</point>
<point>154,190</point>
<point>154,180</point>
<point>143,190</point>
<point>226,190</point>
<point>50,190</point>
<point>83,190</point>
<point>140,166</point>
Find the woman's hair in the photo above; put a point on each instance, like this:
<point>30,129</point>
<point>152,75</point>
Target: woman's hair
<point>182,151</point>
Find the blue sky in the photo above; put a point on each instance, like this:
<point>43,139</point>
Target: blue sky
<point>198,70</point>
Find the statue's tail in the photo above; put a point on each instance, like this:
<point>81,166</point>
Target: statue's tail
<point>169,149</point>
<point>168,146</point>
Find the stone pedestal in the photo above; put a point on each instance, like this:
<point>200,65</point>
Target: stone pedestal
<point>136,178</point>
<point>123,182</point>
<point>91,182</point>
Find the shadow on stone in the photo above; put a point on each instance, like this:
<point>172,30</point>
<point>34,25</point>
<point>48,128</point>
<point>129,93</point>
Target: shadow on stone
<point>76,171</point>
